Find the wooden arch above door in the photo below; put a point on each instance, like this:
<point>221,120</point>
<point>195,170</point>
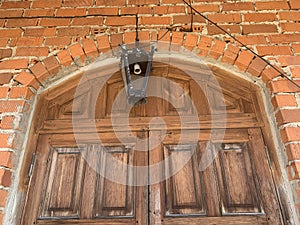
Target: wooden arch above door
<point>239,98</point>
<point>237,188</point>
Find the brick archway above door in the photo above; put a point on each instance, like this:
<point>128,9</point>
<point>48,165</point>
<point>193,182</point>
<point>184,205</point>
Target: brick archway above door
<point>77,56</point>
<point>85,52</point>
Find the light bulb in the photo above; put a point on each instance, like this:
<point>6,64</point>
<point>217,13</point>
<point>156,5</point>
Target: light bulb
<point>137,69</point>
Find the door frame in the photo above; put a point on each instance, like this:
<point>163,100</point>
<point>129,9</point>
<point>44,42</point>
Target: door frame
<point>265,123</point>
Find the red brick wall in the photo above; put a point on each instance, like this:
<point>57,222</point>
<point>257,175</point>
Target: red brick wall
<point>39,38</point>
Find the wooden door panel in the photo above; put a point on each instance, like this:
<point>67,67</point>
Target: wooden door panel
<point>89,184</point>
<point>114,104</point>
<point>177,95</point>
<point>115,199</point>
<point>63,183</point>
<point>230,190</point>
<point>237,180</point>
<point>34,195</point>
<point>72,187</point>
<point>270,201</point>
<point>234,189</point>
<point>228,220</point>
<point>89,222</point>
<point>183,190</point>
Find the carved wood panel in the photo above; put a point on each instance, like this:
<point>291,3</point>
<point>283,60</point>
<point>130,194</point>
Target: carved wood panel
<point>77,184</point>
<point>171,98</point>
<point>177,97</point>
<point>63,183</point>
<point>237,180</point>
<point>184,190</point>
<point>115,199</point>
<point>229,189</point>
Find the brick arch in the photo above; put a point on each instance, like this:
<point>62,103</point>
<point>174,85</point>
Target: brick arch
<point>78,55</point>
<point>43,73</point>
<point>85,52</point>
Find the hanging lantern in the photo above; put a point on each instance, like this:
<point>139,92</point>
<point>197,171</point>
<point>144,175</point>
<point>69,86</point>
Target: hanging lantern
<point>136,65</point>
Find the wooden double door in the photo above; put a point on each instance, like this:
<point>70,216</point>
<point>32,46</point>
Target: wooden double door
<point>152,178</point>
